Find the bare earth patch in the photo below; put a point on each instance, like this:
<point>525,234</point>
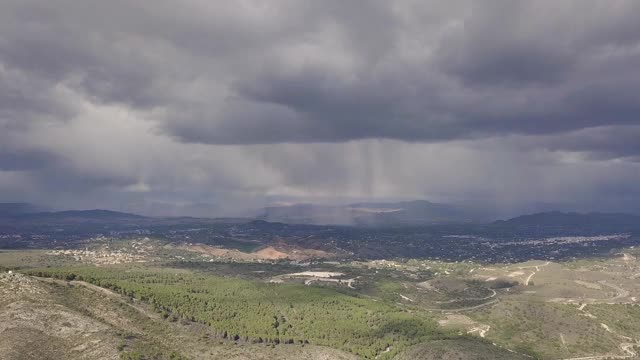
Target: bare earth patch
<point>267,253</point>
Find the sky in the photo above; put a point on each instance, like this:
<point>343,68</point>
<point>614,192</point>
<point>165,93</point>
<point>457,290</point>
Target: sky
<point>207,107</point>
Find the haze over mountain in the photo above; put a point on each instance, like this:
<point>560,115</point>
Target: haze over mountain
<point>604,222</point>
<point>7,209</point>
<point>394,214</point>
<point>419,212</point>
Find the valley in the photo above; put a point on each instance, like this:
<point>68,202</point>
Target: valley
<point>580,309</point>
<point>115,286</point>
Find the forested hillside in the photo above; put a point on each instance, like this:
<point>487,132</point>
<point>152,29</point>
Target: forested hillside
<point>267,313</point>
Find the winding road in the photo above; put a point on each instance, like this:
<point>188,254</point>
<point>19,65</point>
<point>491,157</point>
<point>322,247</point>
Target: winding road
<point>537,267</point>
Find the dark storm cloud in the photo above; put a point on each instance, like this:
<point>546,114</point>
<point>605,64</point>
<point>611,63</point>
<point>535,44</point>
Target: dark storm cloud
<point>335,71</point>
<point>497,68</point>
<point>295,95</point>
<point>600,143</point>
<point>11,159</point>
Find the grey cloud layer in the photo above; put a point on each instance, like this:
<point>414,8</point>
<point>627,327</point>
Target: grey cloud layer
<point>334,71</point>
<point>291,97</point>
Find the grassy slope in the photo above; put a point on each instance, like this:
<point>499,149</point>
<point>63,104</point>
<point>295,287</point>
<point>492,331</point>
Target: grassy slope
<point>539,328</point>
<point>461,349</point>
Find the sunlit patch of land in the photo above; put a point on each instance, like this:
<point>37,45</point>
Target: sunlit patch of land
<point>579,309</point>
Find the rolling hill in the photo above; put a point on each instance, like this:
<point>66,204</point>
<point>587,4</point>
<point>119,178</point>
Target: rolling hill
<point>616,222</point>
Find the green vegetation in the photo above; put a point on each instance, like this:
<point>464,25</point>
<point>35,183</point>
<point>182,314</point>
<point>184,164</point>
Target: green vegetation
<point>17,259</point>
<point>461,349</point>
<point>176,305</point>
<point>258,312</point>
<point>621,318</point>
<point>545,330</point>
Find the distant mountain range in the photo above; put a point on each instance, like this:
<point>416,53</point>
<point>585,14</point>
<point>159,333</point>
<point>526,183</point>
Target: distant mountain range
<point>70,217</point>
<point>95,214</point>
<point>556,219</point>
<point>406,213</point>
<point>24,216</point>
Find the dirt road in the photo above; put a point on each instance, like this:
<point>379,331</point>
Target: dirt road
<point>537,267</point>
